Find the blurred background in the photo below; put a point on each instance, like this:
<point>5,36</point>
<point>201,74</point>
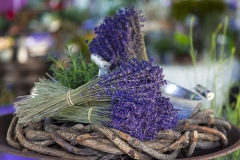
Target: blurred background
<point>30,30</point>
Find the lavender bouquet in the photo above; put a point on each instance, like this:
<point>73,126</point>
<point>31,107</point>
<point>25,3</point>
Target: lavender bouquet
<point>120,41</point>
<point>128,98</point>
<point>120,38</point>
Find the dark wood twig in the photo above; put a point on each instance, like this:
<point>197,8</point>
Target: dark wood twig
<point>86,129</point>
<point>173,135</point>
<point>207,144</point>
<point>36,135</point>
<point>35,125</point>
<point>48,150</point>
<point>156,145</point>
<point>44,143</point>
<point>168,134</point>
<point>207,136</point>
<point>110,157</point>
<point>117,141</point>
<point>193,137</point>
<point>104,141</point>
<point>177,144</point>
<point>67,146</point>
<point>212,121</point>
<point>10,134</point>
<point>183,128</point>
<point>28,150</point>
<point>69,130</point>
<point>77,127</point>
<point>89,136</point>
<point>141,146</point>
<point>222,129</point>
<point>91,142</point>
<point>79,137</point>
<point>203,113</point>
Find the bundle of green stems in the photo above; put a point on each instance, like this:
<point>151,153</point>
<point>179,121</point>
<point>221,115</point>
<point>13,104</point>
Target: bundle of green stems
<point>49,97</point>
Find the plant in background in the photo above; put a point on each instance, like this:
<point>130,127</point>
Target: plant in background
<point>208,13</point>
<point>201,9</point>
<point>74,73</point>
<point>181,43</point>
<point>173,45</point>
<point>231,112</point>
<point>7,96</point>
<point>216,61</point>
<point>164,44</point>
<point>233,115</point>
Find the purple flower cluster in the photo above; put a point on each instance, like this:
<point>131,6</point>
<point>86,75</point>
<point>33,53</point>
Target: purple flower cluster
<point>119,37</point>
<point>138,107</point>
<point>143,121</point>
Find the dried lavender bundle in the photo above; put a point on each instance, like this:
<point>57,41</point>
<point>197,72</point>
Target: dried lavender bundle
<point>133,90</point>
<point>130,114</point>
<point>120,38</point>
<point>141,121</point>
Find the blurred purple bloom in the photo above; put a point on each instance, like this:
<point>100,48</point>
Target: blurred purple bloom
<point>88,24</point>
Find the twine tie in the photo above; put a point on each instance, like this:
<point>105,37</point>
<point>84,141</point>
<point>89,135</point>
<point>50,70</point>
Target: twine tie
<point>89,114</point>
<point>69,101</point>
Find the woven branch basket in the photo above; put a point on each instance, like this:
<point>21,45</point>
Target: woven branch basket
<point>92,141</point>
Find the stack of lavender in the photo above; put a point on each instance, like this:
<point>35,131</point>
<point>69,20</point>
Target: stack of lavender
<point>119,40</point>
<point>128,98</point>
<point>137,106</point>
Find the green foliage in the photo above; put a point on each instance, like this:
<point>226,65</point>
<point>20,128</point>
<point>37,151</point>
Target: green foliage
<point>181,43</point>
<point>180,9</point>
<point>2,23</point>
<point>74,73</point>
<point>177,43</point>
<point>231,111</point>
<point>164,44</point>
<point>74,15</point>
<point>6,96</point>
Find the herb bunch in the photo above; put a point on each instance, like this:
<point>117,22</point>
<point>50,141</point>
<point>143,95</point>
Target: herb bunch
<point>74,72</point>
<point>120,38</point>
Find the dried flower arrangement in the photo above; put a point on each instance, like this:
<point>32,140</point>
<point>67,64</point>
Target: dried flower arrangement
<point>122,113</point>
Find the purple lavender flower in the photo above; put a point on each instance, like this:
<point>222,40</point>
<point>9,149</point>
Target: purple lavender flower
<point>138,107</point>
<point>119,38</point>
<point>143,121</point>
